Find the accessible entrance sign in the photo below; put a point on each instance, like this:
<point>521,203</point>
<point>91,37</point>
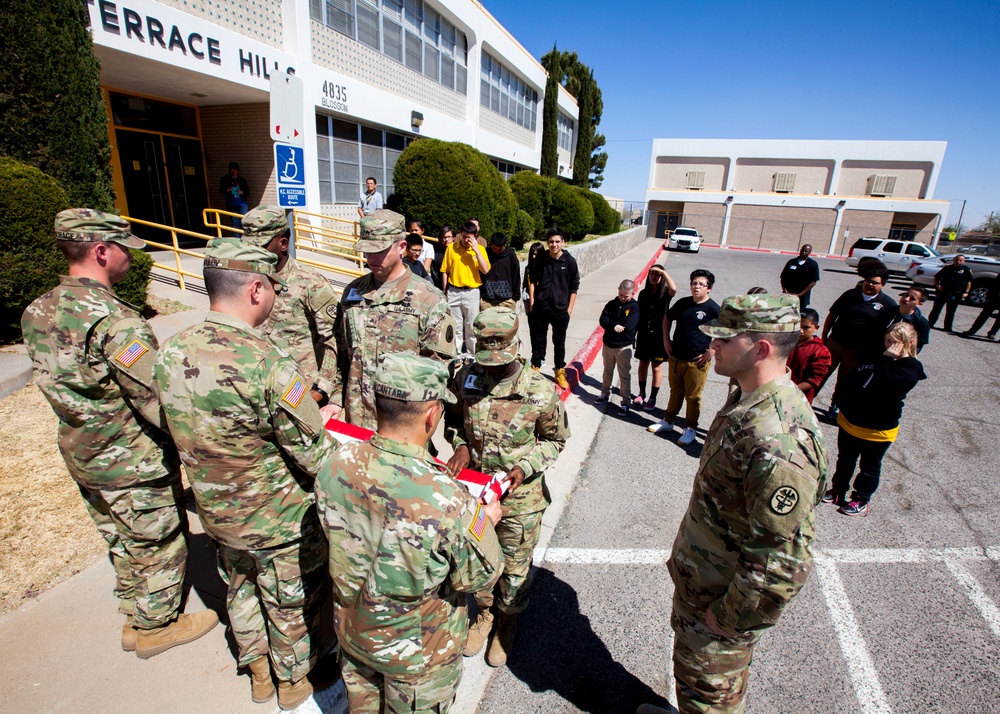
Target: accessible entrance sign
<point>289,167</point>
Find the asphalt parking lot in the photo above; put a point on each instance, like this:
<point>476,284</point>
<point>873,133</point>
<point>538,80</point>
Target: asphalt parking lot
<point>901,612</point>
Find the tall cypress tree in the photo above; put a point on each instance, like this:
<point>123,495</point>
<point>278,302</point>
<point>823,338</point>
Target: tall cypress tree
<point>552,62</point>
<point>585,134</point>
<point>51,112</point>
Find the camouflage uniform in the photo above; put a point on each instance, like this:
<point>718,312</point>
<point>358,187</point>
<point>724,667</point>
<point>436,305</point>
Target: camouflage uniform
<point>251,440</point>
<point>300,323</point>
<point>407,315</point>
<point>406,543</point>
<point>516,422</point>
<point>744,547</point>
<point>93,357</point>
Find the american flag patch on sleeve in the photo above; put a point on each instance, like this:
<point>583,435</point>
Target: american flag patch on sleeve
<point>293,395</point>
<point>478,526</point>
<point>132,353</point>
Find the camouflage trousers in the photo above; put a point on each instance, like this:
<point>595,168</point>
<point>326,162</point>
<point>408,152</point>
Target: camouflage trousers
<point>274,598</point>
<point>145,528</point>
<point>371,692</point>
<point>518,536</point>
<point>711,671</point>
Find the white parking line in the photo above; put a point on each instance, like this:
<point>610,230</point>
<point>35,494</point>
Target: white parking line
<point>987,608</point>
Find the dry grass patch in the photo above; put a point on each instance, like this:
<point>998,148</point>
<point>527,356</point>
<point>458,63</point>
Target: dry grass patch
<point>46,534</point>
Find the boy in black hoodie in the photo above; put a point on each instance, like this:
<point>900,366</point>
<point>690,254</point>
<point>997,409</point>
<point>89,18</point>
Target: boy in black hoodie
<point>620,318</point>
<point>870,408</point>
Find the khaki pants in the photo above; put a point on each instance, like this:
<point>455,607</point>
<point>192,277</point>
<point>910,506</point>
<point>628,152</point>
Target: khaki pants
<point>464,304</point>
<point>371,692</point>
<point>620,357</point>
<point>508,304</point>
<point>687,380</point>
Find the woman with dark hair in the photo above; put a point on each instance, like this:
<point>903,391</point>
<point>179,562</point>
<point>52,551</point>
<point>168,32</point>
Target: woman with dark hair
<point>654,299</point>
<point>446,237</point>
<point>534,251</point>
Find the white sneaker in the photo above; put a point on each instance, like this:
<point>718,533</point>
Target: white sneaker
<point>688,437</point>
<point>662,425</point>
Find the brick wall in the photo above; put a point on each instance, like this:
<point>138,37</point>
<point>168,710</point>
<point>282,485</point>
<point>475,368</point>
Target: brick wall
<point>779,228</point>
<point>239,132</point>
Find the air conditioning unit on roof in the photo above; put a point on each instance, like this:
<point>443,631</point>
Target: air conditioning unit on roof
<point>881,185</point>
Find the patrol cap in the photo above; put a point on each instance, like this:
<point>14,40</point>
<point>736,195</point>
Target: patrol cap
<point>88,225</point>
<point>234,254</point>
<point>495,331</point>
<point>381,230</point>
<point>263,223</point>
<point>755,313</point>
<point>411,378</point>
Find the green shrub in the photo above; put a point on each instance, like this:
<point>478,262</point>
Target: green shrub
<point>134,287</point>
<point>533,194</point>
<point>524,230</point>
<point>570,211</point>
<point>446,182</point>
<point>606,219</point>
<point>30,262</point>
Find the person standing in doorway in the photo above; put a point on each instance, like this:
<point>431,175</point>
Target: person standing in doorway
<point>236,192</point>
<point>552,287</point>
<point>371,200</point>
<point>800,275</point>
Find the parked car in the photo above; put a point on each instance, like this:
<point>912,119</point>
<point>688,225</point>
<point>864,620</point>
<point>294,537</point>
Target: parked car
<point>983,271</point>
<point>898,255</point>
<point>993,249</point>
<point>684,238</point>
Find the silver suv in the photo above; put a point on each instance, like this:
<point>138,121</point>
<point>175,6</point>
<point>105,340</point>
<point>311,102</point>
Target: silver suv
<point>983,271</point>
<point>898,255</point>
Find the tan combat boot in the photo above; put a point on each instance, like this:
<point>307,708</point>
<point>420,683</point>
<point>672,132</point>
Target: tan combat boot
<point>503,640</point>
<point>261,685</point>
<point>479,632</point>
<point>128,634</point>
<point>186,628</point>
<point>560,379</point>
<point>291,694</point>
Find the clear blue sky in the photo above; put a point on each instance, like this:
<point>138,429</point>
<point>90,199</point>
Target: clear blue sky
<point>917,71</point>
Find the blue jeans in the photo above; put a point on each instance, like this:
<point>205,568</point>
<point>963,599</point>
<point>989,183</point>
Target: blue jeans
<point>242,210</point>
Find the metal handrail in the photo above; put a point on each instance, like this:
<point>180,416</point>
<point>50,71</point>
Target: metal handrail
<point>178,251</point>
<point>217,224</point>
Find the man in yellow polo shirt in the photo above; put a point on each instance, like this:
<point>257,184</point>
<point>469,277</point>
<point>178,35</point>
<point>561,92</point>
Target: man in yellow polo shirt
<point>462,269</point>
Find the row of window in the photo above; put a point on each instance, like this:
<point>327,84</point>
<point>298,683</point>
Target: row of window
<point>506,170</point>
<point>408,31</point>
<point>507,94</point>
<point>348,153</point>
<point>565,132</point>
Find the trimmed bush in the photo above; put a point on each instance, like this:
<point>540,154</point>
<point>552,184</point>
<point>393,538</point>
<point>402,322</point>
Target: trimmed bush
<point>570,211</point>
<point>134,287</point>
<point>524,230</point>
<point>533,194</point>
<point>446,182</point>
<point>606,219</point>
<point>30,262</point>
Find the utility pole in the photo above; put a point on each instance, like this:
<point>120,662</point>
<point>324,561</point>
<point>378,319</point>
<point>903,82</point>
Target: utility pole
<point>960,214</point>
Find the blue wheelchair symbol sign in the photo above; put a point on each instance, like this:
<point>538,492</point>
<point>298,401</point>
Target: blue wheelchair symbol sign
<point>289,165</point>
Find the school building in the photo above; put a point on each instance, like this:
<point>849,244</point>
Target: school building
<point>187,87</point>
<point>783,194</point>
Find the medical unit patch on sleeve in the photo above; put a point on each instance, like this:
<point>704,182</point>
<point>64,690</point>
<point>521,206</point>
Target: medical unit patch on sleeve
<point>133,352</point>
<point>293,395</point>
<point>478,525</point>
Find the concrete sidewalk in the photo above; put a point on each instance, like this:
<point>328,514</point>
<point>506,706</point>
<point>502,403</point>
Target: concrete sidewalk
<point>63,650</point>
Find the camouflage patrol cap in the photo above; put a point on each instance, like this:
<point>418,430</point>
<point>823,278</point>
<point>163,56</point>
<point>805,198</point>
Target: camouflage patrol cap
<point>234,254</point>
<point>496,336</point>
<point>263,223</point>
<point>411,378</point>
<point>87,225</point>
<point>755,313</point>
<point>381,230</point>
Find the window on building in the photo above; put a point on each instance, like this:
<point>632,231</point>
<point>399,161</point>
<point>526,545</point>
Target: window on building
<point>408,31</point>
<point>565,132</point>
<point>505,93</point>
<point>347,153</point>
<point>506,169</point>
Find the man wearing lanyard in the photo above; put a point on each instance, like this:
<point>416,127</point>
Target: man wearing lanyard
<point>371,200</point>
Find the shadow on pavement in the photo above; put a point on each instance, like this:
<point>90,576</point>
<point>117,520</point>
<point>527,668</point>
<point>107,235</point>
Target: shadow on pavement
<point>557,650</point>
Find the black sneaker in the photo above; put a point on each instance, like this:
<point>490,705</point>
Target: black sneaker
<point>649,406</point>
<point>854,508</point>
<point>602,399</point>
<point>832,497</point>
<point>624,410</point>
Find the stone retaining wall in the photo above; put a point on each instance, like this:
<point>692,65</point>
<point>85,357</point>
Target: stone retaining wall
<point>598,253</point>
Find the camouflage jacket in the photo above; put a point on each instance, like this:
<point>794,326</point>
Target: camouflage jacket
<point>518,423</point>
<point>405,316</point>
<point>744,546</point>
<point>93,357</point>
<point>406,544</point>
<point>301,324</point>
<point>249,435</point>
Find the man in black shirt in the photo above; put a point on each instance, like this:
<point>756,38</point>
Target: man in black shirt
<point>992,304</point>
<point>800,275</point>
<point>690,354</point>
<point>555,279</point>
<point>502,284</point>
<point>619,319</point>
<point>951,285</point>
<point>414,246</point>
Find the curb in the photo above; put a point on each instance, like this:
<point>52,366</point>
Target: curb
<point>585,357</point>
<point>768,250</point>
<point>15,373</point>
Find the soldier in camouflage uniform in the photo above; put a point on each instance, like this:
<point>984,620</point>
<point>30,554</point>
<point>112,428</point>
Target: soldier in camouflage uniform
<point>252,441</point>
<point>93,357</point>
<point>744,547</point>
<point>407,542</point>
<point>389,310</point>
<point>301,322</point>
<point>508,419</point>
